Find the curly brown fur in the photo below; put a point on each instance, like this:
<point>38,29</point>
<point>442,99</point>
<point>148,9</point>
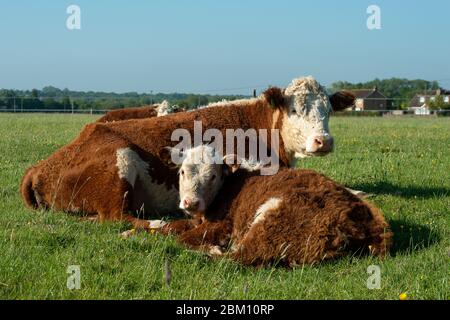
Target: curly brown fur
<point>130,113</point>
<point>316,220</point>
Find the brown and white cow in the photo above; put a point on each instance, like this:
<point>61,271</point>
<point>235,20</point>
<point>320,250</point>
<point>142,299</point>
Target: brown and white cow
<point>117,168</point>
<point>293,217</point>
<point>144,112</point>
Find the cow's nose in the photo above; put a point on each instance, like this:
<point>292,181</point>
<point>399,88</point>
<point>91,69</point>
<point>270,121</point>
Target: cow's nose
<point>190,204</point>
<point>323,144</point>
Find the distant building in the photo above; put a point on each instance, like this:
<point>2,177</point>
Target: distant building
<point>370,99</point>
<point>420,103</point>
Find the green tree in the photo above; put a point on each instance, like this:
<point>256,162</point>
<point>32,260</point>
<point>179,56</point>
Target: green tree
<point>34,93</point>
<point>66,103</point>
<point>438,104</point>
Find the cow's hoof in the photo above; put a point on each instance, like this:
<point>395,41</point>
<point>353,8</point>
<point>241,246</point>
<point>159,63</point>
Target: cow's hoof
<point>93,219</point>
<point>215,251</point>
<point>156,224</point>
<point>360,194</point>
<point>128,233</point>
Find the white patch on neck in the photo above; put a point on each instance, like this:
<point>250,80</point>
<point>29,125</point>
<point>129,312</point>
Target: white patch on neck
<point>131,167</point>
<point>129,164</point>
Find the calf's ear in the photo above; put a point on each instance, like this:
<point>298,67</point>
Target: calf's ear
<point>169,154</point>
<point>342,100</point>
<point>275,97</point>
<point>230,163</point>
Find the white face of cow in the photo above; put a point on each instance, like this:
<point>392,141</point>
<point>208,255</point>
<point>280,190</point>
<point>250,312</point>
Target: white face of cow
<point>201,176</point>
<point>305,129</point>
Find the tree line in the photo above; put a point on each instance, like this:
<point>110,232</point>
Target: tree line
<point>56,99</point>
<point>400,90</point>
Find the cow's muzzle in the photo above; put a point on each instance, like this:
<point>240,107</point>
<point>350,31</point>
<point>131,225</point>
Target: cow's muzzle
<point>192,205</point>
<point>320,145</point>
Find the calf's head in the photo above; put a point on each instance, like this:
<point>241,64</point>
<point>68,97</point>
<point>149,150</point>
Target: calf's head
<point>201,176</point>
<point>306,110</point>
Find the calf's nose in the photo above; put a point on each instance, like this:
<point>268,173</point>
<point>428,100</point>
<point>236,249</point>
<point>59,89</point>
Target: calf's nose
<point>190,204</point>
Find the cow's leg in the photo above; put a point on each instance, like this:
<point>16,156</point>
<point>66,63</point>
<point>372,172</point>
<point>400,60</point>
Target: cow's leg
<point>179,227</point>
<point>143,225</point>
<point>207,236</point>
<point>211,238</point>
<point>97,190</point>
<point>117,208</point>
<point>176,227</point>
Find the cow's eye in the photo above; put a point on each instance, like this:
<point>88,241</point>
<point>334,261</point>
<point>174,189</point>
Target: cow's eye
<point>301,110</point>
<point>182,172</point>
<point>213,177</point>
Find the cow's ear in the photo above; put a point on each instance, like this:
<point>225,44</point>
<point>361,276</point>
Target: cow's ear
<point>342,100</point>
<point>274,97</point>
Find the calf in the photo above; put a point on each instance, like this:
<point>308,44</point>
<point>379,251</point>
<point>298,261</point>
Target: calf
<point>117,168</point>
<point>293,217</point>
<point>156,110</point>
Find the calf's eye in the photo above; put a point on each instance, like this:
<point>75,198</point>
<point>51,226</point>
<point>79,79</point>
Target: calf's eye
<point>213,177</point>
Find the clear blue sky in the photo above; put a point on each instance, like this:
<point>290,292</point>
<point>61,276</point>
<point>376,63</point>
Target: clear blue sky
<point>206,46</point>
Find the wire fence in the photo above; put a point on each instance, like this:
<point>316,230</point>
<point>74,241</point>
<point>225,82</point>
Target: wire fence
<point>102,104</point>
<point>361,113</point>
<point>69,105</point>
<point>67,111</point>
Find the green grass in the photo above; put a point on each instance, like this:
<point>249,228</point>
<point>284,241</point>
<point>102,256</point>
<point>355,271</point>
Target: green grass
<point>404,162</point>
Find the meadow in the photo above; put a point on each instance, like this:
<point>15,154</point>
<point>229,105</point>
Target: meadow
<point>403,162</point>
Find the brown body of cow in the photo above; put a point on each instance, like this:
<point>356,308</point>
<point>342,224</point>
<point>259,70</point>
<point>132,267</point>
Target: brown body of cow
<point>144,112</point>
<point>112,169</point>
<point>293,217</point>
<point>130,113</point>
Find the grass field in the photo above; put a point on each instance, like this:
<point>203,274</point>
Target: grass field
<point>404,162</point>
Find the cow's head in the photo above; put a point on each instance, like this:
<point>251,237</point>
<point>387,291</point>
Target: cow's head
<point>164,108</point>
<point>305,113</point>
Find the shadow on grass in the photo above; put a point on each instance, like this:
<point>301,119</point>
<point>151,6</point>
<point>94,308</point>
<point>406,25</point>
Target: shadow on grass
<point>387,188</point>
<point>410,237</point>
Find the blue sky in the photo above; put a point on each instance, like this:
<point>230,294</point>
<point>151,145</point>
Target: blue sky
<point>218,46</point>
